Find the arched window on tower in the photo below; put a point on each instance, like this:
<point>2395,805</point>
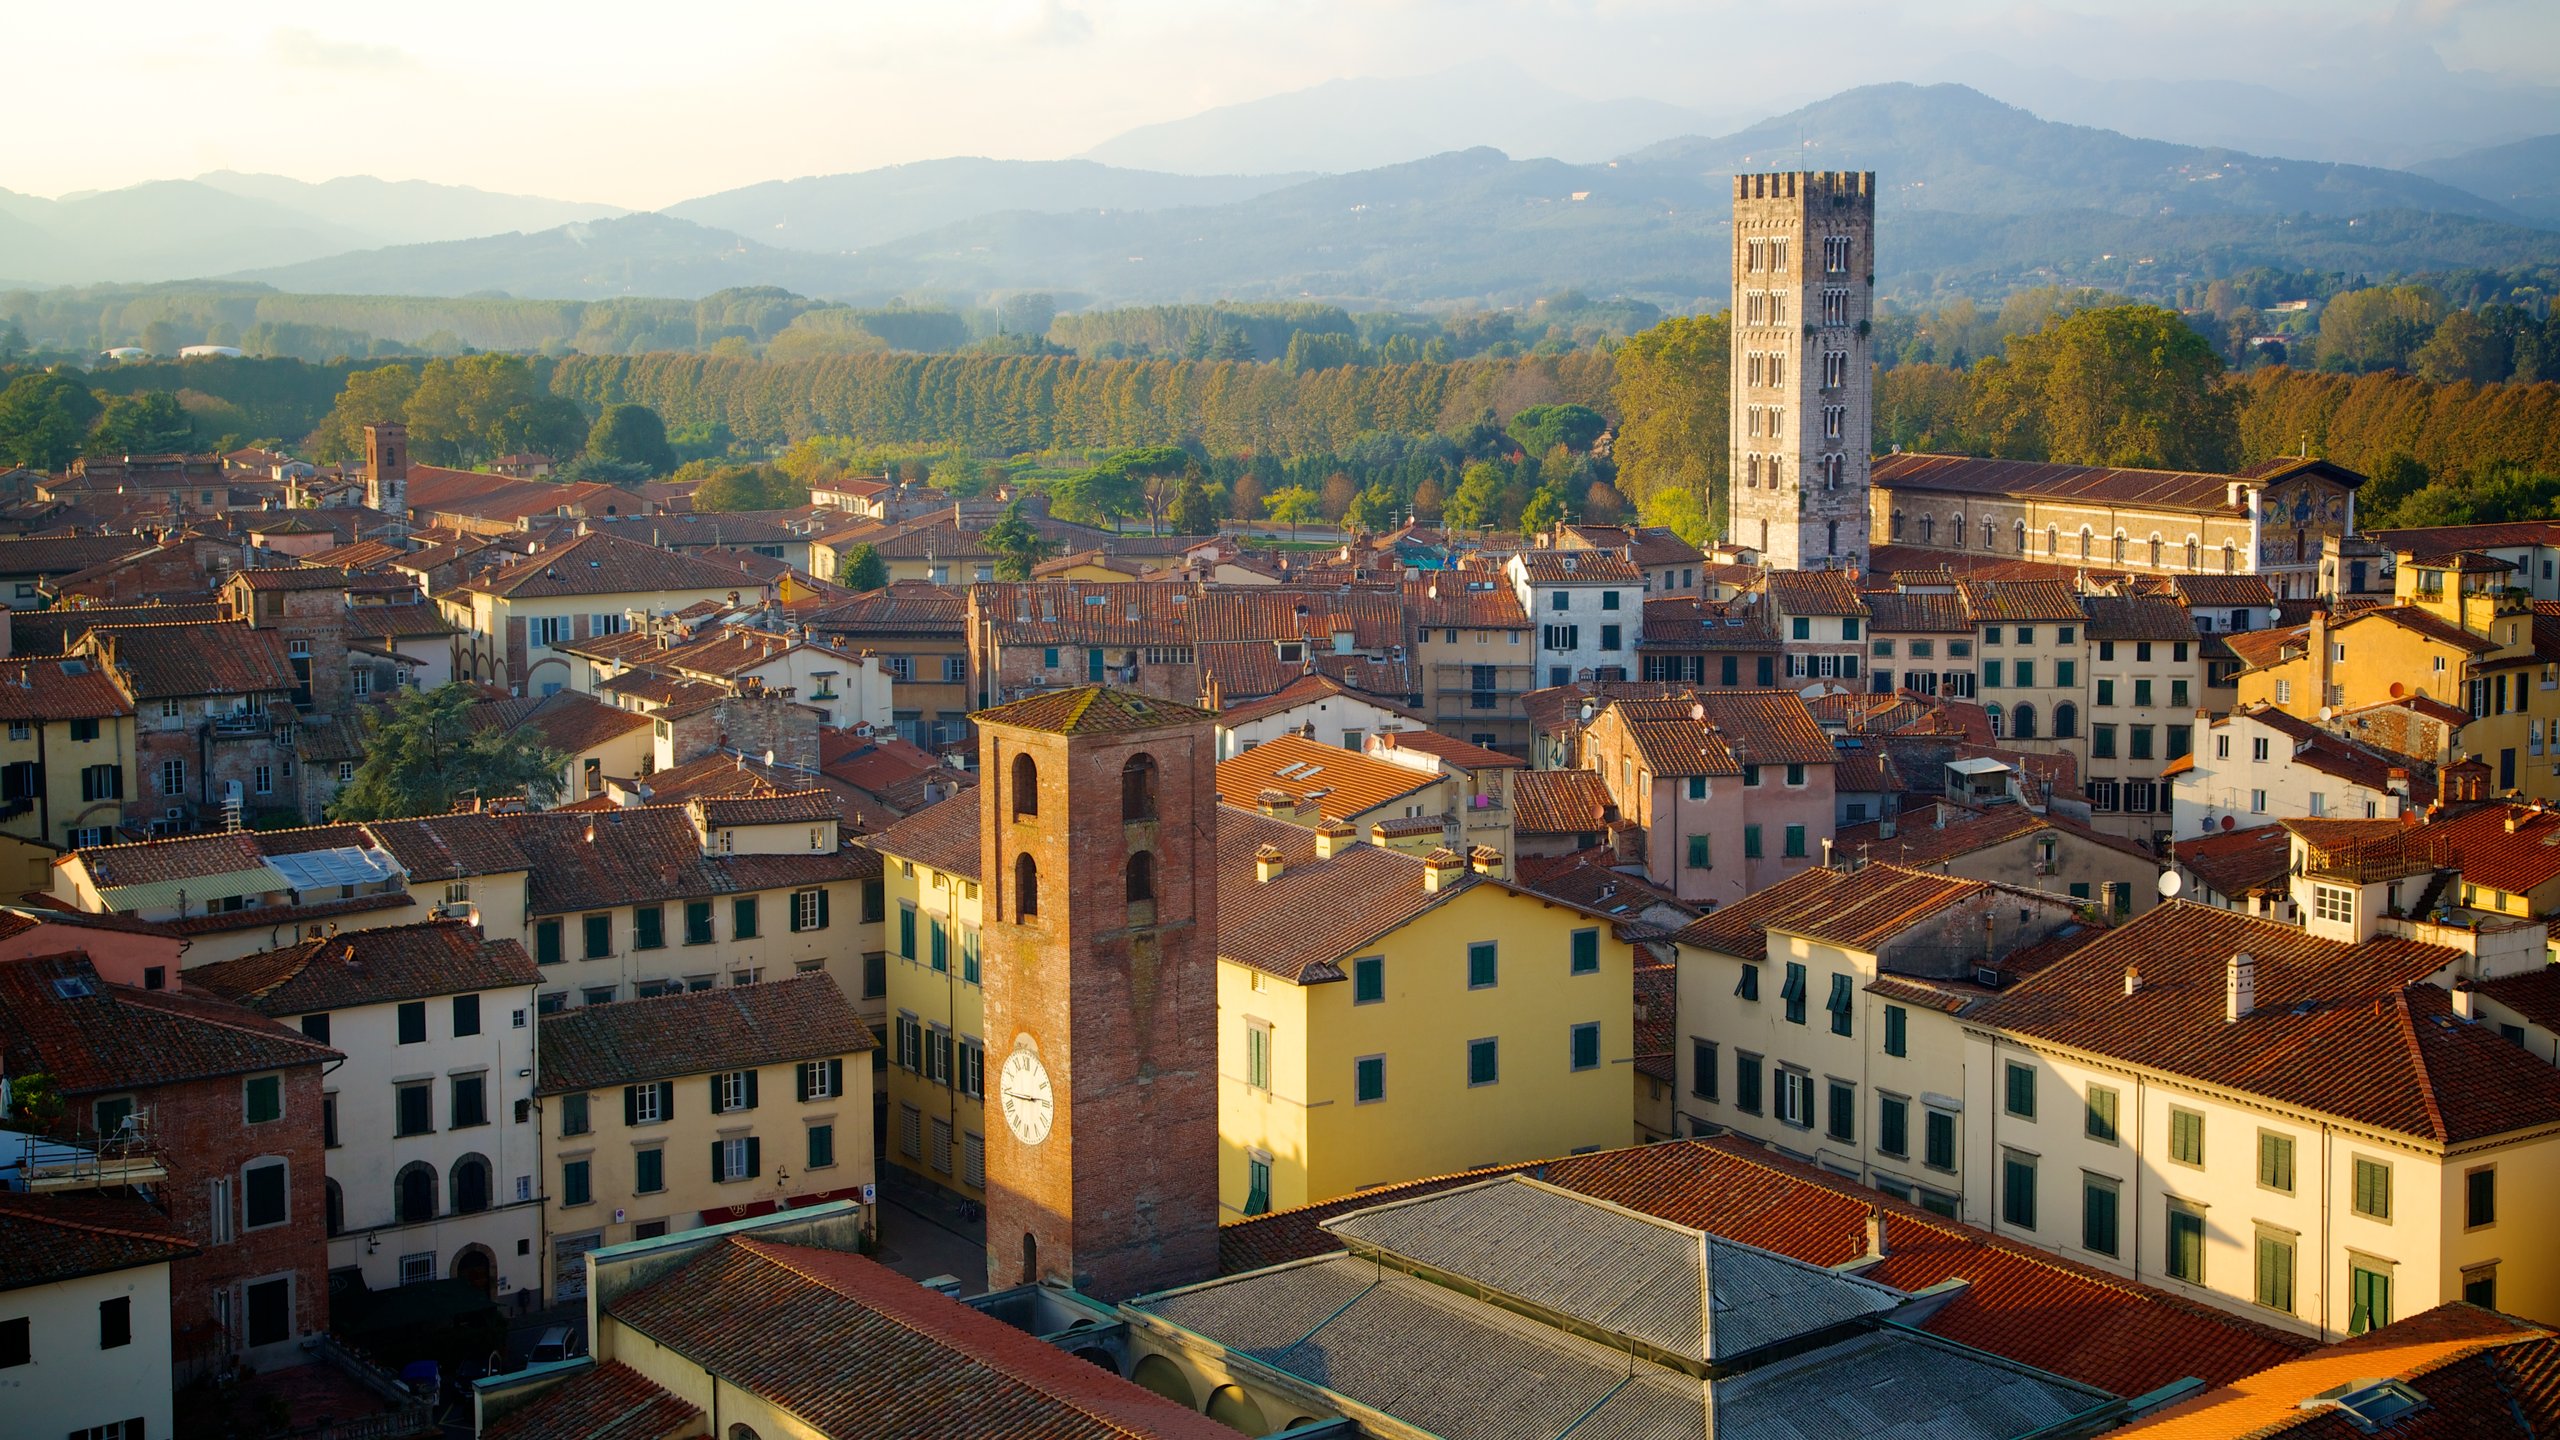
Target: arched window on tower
<point>1955,530</point>
<point>2230,558</point>
<point>1138,788</point>
<point>1928,529</point>
<point>1142,876</point>
<point>1026,787</point>
<point>2195,554</point>
<point>1990,537</point>
<point>2088,538</point>
<point>1831,538</point>
<point>1026,886</point>
<point>2022,537</point>
<point>2155,552</point>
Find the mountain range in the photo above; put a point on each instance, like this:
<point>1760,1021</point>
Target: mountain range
<point>1976,197</point>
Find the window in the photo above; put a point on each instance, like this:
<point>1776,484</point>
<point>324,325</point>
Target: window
<point>1026,886</point>
<point>1369,1079</point>
<point>1586,952</point>
<point>262,1195</point>
<point>470,1101</point>
<point>2098,1197</point>
<point>1795,1099</point>
<point>1585,1048</point>
<point>262,1099</point>
<point>2186,1136</point>
<point>1702,1068</point>
<point>2018,1189</point>
<point>1842,1122</point>
<point>938,945</point>
<point>173,777</point>
<point>2100,1123</point>
<point>2373,1189</point>
<point>270,1307</point>
<point>1839,1004</point>
<point>573,1183</point>
<point>1481,967</point>
<point>1897,1031</point>
<point>102,782</point>
<point>740,1157</point>
<point>697,923</point>
<point>1700,855</point>
<point>2186,1242</point>
<point>2480,1197</point>
<point>115,1323</point>
<point>742,918</point>
<point>2275,1161</point>
<point>2334,903</point>
<point>546,942</point>
<point>2275,1270</point>
<point>2021,1090</point>
<point>413,1022</point>
<point>1748,986</point>
<point>1893,1125</point>
<point>733,1090</point>
<point>2368,1296</point>
<point>1941,1138</point>
<point>1484,1061</point>
<point>413,1108</point>
<point>1793,992</point>
<point>1991,674</point>
<point>822,1147</point>
<point>648,1104</point>
<point>17,1333</point>
<point>649,927</point>
<point>466,1015</point>
<point>573,1114</point>
<point>1746,1083</point>
<point>649,1170</point>
<point>1257,1054</point>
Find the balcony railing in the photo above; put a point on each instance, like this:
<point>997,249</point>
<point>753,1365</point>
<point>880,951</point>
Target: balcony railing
<point>89,1161</point>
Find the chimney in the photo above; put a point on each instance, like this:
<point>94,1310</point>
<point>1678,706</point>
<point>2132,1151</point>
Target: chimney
<point>1875,1232</point>
<point>1333,837</point>
<point>2466,1005</point>
<point>1275,804</point>
<point>1267,864</point>
<point>1826,852</point>
<point>2132,979</point>
<point>1485,860</point>
<point>1441,869</point>
<point>2240,986</point>
<point>2514,819</point>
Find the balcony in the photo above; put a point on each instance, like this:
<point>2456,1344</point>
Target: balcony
<point>88,1161</point>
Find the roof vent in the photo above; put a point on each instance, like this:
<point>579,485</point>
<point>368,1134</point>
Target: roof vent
<point>2371,1404</point>
<point>1267,864</point>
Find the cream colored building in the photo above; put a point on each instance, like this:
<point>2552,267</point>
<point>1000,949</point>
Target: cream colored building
<point>84,1284</point>
<point>662,1115</point>
<point>515,620</point>
<point>934,1037</point>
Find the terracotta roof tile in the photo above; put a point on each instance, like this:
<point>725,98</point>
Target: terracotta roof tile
<point>1717,732</point>
<point>2138,617</point>
<point>1999,601</point>
<point>1685,622</point>
<point>2435,542</point>
<point>1646,545</point>
<point>1815,592</point>
<point>2226,592</point>
<point>2389,1053</point>
<point>48,687</point>
<point>1560,802</point>
<point>564,720</point>
<point>1298,924</point>
<point>1090,710</point>
<point>610,1402</point>
<point>47,1239</point>
<point>1304,690</point>
<point>368,967</point>
<point>1450,600</point>
<point>1455,753</point>
<point>1858,909</point>
<point>1578,567</point>
<point>2235,863</point>
<point>1926,612</point>
<point>796,807</point>
<point>1969,833</point>
<point>2201,493</point>
<point>599,564</point>
<point>1341,783</point>
<point>944,835</point>
<point>736,1027</point>
<point>903,1362</point>
<point>2480,1374</point>
<point>2264,649</point>
<point>2515,848</point>
<point>179,662</point>
<point>109,1037</point>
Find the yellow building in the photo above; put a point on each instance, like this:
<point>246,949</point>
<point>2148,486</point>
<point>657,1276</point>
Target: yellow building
<point>66,763</point>
<point>697,1109</point>
<point>1382,1017</point>
<point>935,1079</point>
<point>513,619</point>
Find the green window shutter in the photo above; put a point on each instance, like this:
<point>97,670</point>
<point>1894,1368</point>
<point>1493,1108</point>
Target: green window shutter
<point>1844,1113</point>
<point>1257,1200</point>
<point>2102,1114</point>
<point>822,907</point>
<point>1793,993</point>
<point>546,942</point>
<point>2275,1162</point>
<point>2106,692</point>
<point>1750,842</point>
<point>666,1099</point>
<point>968,948</point>
<point>2373,1189</point>
<point>1368,980</point>
<point>752,1102</point>
<point>1795,841</point>
<point>1586,1046</point>
<point>791,914</point>
<point>2065,672</point>
<point>1697,787</point>
<point>835,1077</point>
<point>1700,855</point>
<point>1586,951</point>
<point>1893,1127</point>
<point>2098,1217</point>
<point>2022,1091</point>
<point>1897,1030</point>
<point>2018,1191</point>
<point>630,1104</point>
<point>755,1157</point>
<point>1484,1062</point>
<point>2186,1137</point>
<point>649,927</point>
<point>1942,1140</point>
<point>716,1172</point>
<point>800,1083</point>
<point>2369,1293</point>
<point>1840,1004</point>
<point>743,918</point>
<point>1748,987</point>
<point>1990,674</point>
<point>939,939</point>
<point>1369,1078</point>
<point>1746,1083</point>
<point>2026,674</point>
<point>2275,1273</point>
<point>717,1107</point>
<point>2186,1246</point>
<point>1483,965</point>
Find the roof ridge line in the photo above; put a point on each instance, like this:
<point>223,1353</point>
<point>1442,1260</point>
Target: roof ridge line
<point>2440,1133</point>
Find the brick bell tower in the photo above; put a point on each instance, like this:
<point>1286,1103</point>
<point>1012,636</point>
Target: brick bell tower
<point>1098,852</point>
<point>386,469</point>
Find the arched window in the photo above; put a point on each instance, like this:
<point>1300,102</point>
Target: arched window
<point>2053,539</point>
<point>1031,1275</point>
<point>2066,721</point>
<point>2195,555</point>
<point>2022,537</point>
<point>1142,876</point>
<point>1897,524</point>
<point>743,1432</point>
<point>1955,530</point>
<point>1990,537</point>
<point>1993,711</point>
<point>1026,788</point>
<point>1026,886</point>
<point>413,1194</point>
<point>2155,552</point>
<point>2022,722</point>
<point>1831,538</point>
<point>1928,529</point>
<point>470,1185</point>
<point>1231,1407</point>
<point>2115,548</point>
<point>1138,788</point>
<point>2087,539</point>
<point>337,1205</point>
<point>2230,558</point>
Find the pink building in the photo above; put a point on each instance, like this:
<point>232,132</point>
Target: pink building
<point>1734,788</point>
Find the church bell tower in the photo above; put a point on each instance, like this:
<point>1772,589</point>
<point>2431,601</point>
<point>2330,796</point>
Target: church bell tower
<point>1803,399</point>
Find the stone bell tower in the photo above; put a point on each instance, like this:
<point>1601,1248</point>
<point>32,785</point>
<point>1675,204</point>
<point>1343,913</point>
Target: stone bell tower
<point>1803,394</point>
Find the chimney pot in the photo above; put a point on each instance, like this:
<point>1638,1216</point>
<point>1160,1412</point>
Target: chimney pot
<point>1267,864</point>
<point>2132,979</point>
<point>1333,837</point>
<point>2240,986</point>
<point>2466,1005</point>
<point>1875,1232</point>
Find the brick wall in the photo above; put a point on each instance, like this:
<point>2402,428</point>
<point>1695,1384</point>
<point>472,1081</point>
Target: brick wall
<point>200,1128</point>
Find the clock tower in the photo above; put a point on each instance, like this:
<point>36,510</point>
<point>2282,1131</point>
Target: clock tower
<point>1098,853</point>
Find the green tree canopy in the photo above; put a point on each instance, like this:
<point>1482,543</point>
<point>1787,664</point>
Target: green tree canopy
<point>863,569</point>
<point>1016,546</point>
<point>2128,385</point>
<point>1191,512</point>
<point>632,435</point>
<point>422,753</point>
<point>1674,422</point>
<point>1294,506</point>
<point>1541,428</point>
<point>749,487</point>
<point>146,424</point>
<point>44,420</point>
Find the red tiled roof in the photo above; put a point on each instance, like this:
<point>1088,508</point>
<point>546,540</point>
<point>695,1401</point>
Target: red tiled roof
<point>1685,622</point>
<point>2418,622</point>
<point>178,662</point>
<point>368,967</point>
<point>1647,545</point>
<point>901,1362</point>
<point>50,687</point>
<point>1816,592</point>
<point>2480,1374</point>
<point>1455,753</point>
<point>1858,910</point>
<point>610,1402</point>
<point>1450,600</point>
<point>1967,834</point>
<point>2001,601</point>
<point>736,1027</point>
<point>2352,1031</point>
<point>2515,848</point>
<point>1304,690</point>
<point>598,564</point>
<point>2021,1303</point>
<point>2138,617</point>
<point>1341,783</point>
<point>1926,612</point>
<point>1717,732</point>
<point>1560,802</point>
<point>1314,912</point>
<point>2197,492</point>
<point>564,720</point>
<point>2235,863</point>
<point>2226,592</point>
<point>943,835</point>
<point>47,1239</point>
<point>1090,710</point>
<point>2433,542</point>
<point>112,1037</point>
<point>2535,994</point>
<point>2264,649</point>
<point>1578,567</point>
<point>795,807</point>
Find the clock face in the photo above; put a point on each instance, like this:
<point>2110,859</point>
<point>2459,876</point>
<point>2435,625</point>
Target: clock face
<point>1029,1104</point>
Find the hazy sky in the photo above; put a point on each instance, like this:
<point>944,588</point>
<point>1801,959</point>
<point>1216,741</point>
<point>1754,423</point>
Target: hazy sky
<point>644,103</point>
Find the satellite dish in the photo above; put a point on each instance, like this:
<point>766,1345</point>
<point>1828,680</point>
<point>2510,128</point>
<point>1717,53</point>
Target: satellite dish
<point>2327,714</point>
<point>2170,884</point>
<point>2228,822</point>
<point>2275,615</point>
<point>2398,690</point>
